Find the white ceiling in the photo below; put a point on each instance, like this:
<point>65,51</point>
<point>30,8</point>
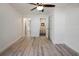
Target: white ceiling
<point>24,8</point>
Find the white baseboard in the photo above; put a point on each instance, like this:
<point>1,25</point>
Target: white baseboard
<point>73,48</point>
<point>7,46</point>
<point>57,42</point>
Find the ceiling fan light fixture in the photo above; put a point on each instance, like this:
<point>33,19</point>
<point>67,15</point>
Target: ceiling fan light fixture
<point>40,8</point>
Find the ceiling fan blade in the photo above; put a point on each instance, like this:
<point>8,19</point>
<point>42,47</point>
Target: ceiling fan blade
<point>48,5</point>
<point>33,3</point>
<point>37,4</point>
<point>33,8</point>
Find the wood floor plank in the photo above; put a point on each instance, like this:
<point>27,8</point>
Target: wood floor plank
<point>38,46</point>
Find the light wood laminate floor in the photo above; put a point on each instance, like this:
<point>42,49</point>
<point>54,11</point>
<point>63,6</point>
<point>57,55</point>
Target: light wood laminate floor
<point>38,46</point>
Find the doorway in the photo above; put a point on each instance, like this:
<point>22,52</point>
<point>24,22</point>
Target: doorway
<point>43,27</point>
<point>27,27</point>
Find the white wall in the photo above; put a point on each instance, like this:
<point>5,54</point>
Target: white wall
<point>72,27</point>
<point>59,25</point>
<point>10,26</point>
<point>35,24</point>
<point>51,28</point>
<point>66,26</point>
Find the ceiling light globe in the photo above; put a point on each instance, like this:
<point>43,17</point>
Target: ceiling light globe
<point>40,8</point>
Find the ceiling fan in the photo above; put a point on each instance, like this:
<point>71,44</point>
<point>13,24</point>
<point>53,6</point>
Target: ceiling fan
<point>40,6</point>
